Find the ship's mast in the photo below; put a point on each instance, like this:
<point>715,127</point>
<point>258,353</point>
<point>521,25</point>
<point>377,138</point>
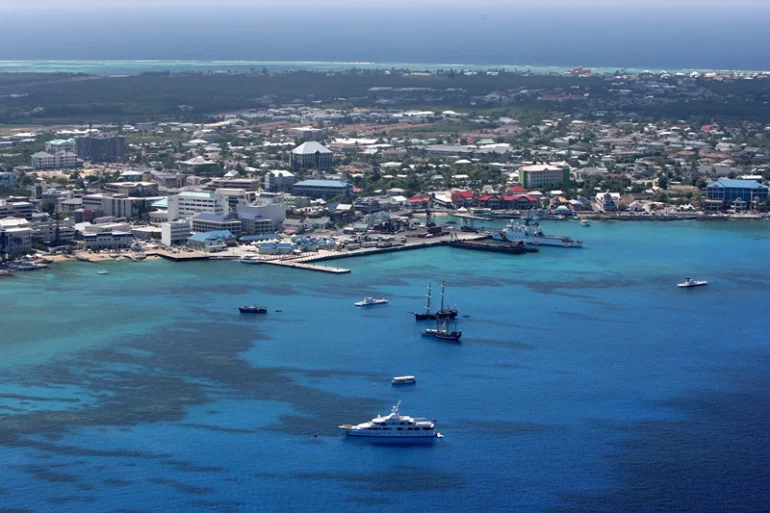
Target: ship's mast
<point>442,296</point>
<point>427,307</point>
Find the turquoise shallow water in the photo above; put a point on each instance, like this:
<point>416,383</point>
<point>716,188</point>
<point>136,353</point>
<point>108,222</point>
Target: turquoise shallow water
<point>586,381</point>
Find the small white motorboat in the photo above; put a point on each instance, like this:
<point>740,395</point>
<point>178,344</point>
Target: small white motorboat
<point>404,380</point>
<point>370,301</point>
<point>689,283</point>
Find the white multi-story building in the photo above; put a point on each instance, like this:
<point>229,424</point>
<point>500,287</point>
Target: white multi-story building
<point>45,230</point>
<point>15,236</point>
<point>119,205</point>
<point>279,180</point>
<point>261,217</point>
<point>59,160</point>
<point>108,240</point>
<point>187,204</point>
<point>175,232</point>
<point>15,208</point>
<point>212,223</point>
<point>543,175</point>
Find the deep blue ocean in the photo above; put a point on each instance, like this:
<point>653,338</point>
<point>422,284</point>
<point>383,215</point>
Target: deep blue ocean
<point>585,381</point>
<point>654,34</point>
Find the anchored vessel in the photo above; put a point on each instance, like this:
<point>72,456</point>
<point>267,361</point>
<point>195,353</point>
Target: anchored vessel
<point>531,233</point>
<point>404,380</point>
<point>394,426</point>
<point>250,259</point>
<point>103,272</point>
<point>370,301</point>
<point>442,333</point>
<point>689,283</point>
<point>442,313</point>
<point>252,309</point>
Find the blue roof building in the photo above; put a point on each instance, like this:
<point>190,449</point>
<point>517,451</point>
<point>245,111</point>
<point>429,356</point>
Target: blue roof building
<point>210,241</point>
<point>321,188</point>
<point>730,190</point>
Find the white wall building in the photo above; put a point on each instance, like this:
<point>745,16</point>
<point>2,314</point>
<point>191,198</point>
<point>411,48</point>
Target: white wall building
<point>175,232</point>
<point>108,240</point>
<point>15,236</point>
<point>279,180</point>
<point>187,204</point>
<point>261,217</point>
<point>543,175</point>
<point>59,160</point>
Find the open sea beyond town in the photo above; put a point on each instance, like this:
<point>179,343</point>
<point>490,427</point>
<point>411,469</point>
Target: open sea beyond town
<point>585,380</point>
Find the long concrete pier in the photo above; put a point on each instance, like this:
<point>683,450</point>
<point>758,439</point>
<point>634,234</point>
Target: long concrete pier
<point>309,267</point>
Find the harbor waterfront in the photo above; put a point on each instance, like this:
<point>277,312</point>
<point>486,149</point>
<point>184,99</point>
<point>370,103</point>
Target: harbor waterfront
<point>586,380</point>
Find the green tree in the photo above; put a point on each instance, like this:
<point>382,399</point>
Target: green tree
<point>663,182</point>
<point>49,207</point>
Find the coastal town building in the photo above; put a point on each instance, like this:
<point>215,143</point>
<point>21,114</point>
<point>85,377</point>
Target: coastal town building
<point>321,188</point>
<point>311,155</point>
<point>15,236</point>
<point>213,222</point>
<point>189,203</point>
<point>200,166</point>
<point>539,176</point>
<point>10,208</point>
<point>210,242</point>
<point>101,148</point>
<point>175,232</point>
<point>308,133</point>
<point>59,160</point>
<point>108,240</point>
<point>248,184</point>
<point>49,231</point>
<point>57,145</point>
<point>132,188</point>
<point>7,179</point>
<point>261,217</point>
<point>728,191</point>
<point>118,205</point>
<point>279,180</point>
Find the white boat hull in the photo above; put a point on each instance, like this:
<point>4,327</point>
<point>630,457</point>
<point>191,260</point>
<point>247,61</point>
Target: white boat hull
<point>401,434</point>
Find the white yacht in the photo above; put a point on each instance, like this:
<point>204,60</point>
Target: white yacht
<point>394,426</point>
<point>370,301</point>
<point>584,222</point>
<point>103,272</point>
<point>689,283</point>
<point>250,259</point>
<point>404,380</point>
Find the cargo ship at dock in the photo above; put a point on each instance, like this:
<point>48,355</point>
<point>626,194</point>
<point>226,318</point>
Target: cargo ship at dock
<point>529,232</point>
<point>494,246</point>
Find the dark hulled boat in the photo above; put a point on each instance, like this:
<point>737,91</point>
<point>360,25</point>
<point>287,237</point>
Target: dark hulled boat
<point>252,309</point>
<point>442,313</point>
